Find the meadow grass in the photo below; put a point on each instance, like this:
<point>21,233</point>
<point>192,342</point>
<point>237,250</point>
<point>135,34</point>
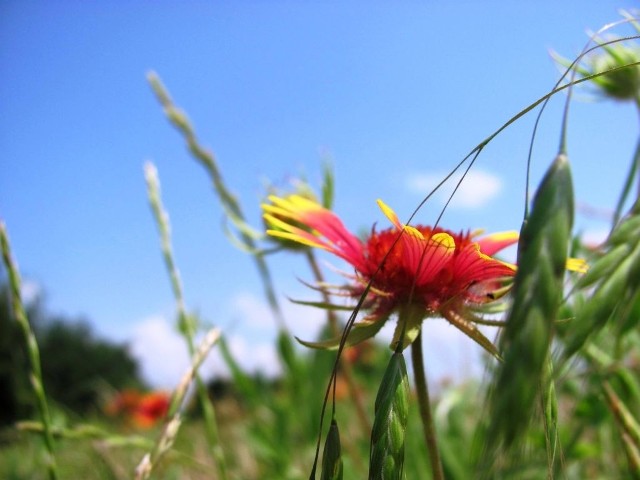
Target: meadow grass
<point>560,397</point>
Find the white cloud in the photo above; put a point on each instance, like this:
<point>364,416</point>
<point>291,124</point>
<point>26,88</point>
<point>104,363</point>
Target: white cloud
<point>160,351</point>
<point>30,291</point>
<point>251,336</point>
<point>253,315</point>
<point>260,357</point>
<point>163,355</point>
<point>476,190</point>
<point>252,311</point>
<point>448,353</point>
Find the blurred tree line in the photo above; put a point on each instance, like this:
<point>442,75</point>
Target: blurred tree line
<point>77,366</point>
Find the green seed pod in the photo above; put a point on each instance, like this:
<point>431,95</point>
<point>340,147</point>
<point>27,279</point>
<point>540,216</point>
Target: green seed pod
<point>537,292</point>
<point>386,461</point>
<point>622,84</point>
<point>331,457</point>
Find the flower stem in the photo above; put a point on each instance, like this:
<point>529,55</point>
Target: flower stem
<point>425,408</point>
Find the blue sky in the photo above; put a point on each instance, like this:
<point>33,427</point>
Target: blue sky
<point>395,95</point>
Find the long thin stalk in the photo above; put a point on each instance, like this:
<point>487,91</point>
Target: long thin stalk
<point>428,427</point>
<point>166,439</point>
<point>187,328</point>
<point>347,371</point>
<point>229,203</point>
<point>32,351</point>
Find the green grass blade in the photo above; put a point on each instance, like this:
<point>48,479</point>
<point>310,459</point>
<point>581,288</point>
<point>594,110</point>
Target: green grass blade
<point>32,351</point>
<point>186,323</point>
<point>229,203</point>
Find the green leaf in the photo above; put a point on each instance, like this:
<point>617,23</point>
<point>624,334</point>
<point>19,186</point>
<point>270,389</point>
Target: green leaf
<point>359,333</point>
<point>323,305</point>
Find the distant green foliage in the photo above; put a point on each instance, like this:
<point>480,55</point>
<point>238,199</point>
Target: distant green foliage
<point>77,366</point>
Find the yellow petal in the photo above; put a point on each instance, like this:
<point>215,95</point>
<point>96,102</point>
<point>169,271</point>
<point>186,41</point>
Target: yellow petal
<point>296,238</point>
<point>577,265</point>
<point>444,240</point>
<point>389,213</point>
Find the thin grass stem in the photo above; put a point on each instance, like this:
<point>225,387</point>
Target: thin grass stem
<point>33,352</point>
<point>187,327</point>
<point>229,203</point>
<point>473,154</point>
<point>87,432</point>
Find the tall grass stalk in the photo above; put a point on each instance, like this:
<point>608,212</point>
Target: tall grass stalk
<point>33,351</point>
<point>186,324</point>
<point>229,203</point>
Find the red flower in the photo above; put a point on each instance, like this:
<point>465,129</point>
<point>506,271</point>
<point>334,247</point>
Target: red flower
<point>143,410</point>
<point>417,271</point>
<point>152,408</point>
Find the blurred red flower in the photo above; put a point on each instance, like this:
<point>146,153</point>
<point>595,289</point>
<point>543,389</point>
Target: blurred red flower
<point>142,410</point>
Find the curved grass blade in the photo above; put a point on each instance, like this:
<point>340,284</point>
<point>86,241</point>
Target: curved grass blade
<point>359,333</point>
